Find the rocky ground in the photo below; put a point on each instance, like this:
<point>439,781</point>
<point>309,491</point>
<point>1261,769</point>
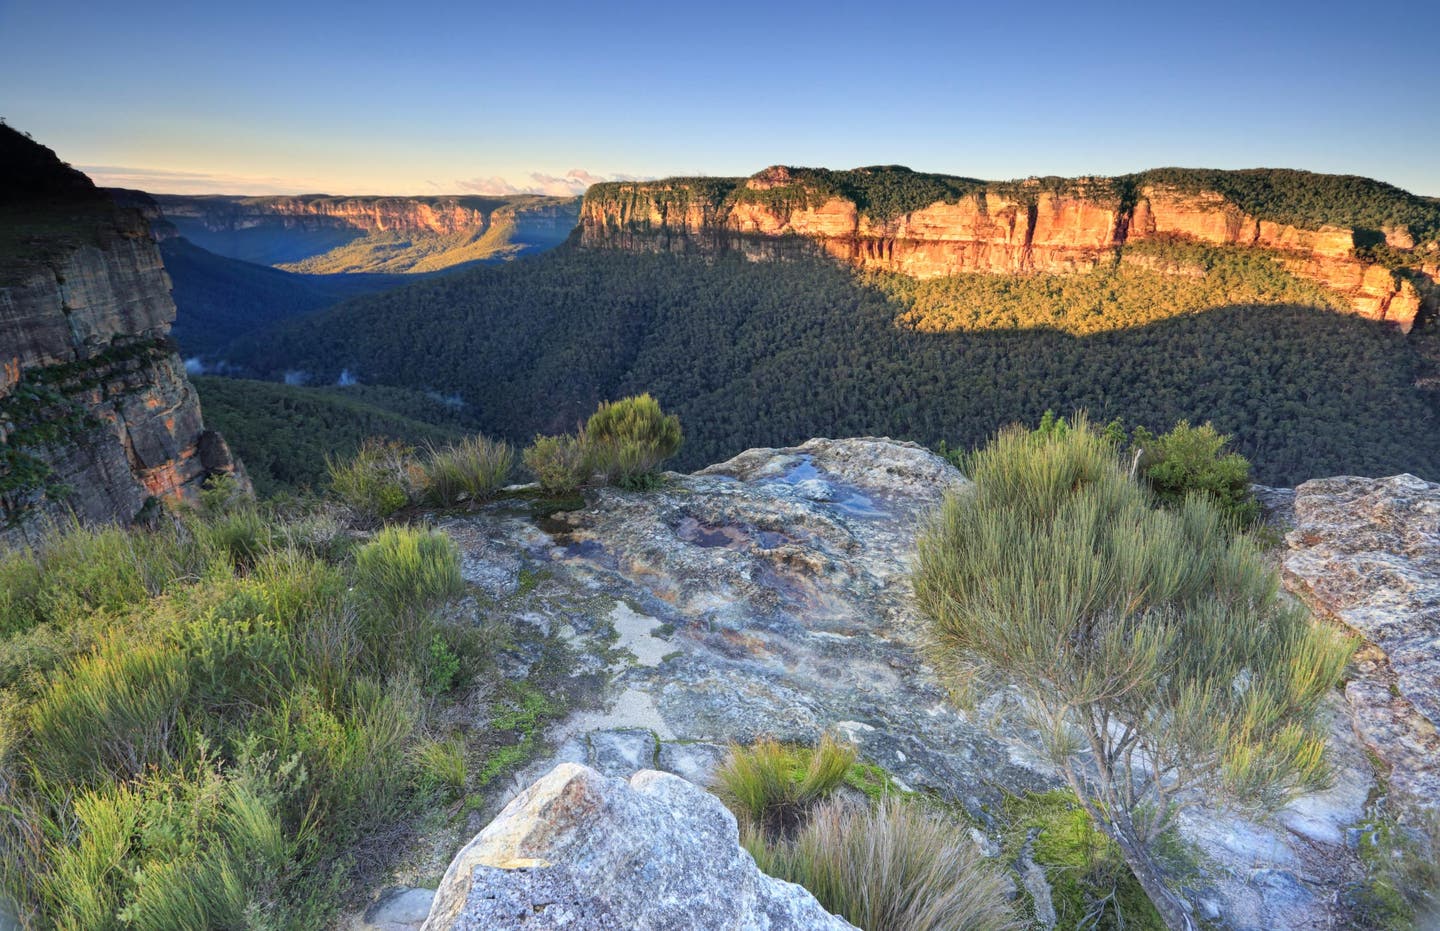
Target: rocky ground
<point>768,595</point>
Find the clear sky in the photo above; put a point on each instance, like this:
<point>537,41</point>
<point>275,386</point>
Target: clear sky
<point>424,97</point>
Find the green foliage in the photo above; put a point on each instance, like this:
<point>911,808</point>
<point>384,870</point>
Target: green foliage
<point>893,867</point>
<point>772,354</point>
<point>404,571</point>
<point>285,433</point>
<point>443,668</point>
<point>378,481</point>
<point>1113,615</point>
<point>467,471</point>
<point>1090,884</point>
<point>442,765</point>
<point>561,464</point>
<point>1402,864</point>
<point>203,724</point>
<point>1195,461</point>
<point>770,787</point>
<point>629,438</point>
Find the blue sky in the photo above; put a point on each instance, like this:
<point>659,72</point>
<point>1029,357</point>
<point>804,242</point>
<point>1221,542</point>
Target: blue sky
<point>425,97</point>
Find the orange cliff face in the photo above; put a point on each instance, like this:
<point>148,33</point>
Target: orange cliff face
<point>1000,229</point>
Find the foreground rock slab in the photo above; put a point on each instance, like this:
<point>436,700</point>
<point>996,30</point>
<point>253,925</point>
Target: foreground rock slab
<point>586,852</point>
<point>1366,552</point>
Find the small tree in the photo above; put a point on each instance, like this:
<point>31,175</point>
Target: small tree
<point>1195,460</point>
<point>629,439</point>
<point>1151,644</point>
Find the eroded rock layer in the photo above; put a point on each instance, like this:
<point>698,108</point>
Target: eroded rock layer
<point>97,417</point>
<point>1059,228</point>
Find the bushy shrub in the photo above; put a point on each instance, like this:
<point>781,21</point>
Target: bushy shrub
<point>1127,628</point>
<point>1195,460</point>
<point>469,471</point>
<point>405,570</point>
<point>770,786</point>
<point>378,481</point>
<point>561,464</point>
<point>891,867</point>
<point>629,439</point>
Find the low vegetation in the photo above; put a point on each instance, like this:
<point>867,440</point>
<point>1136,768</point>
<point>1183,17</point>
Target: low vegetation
<point>211,724</point>
<point>384,477</point>
<point>623,443</point>
<point>1152,645</point>
<point>884,864</point>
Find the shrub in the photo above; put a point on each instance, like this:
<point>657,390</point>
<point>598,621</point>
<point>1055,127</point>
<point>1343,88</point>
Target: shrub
<point>1193,460</point>
<point>404,570</point>
<point>561,464</point>
<point>443,667</point>
<point>893,867</point>
<point>629,439</point>
<point>469,471</point>
<point>441,764</point>
<point>112,712</point>
<point>377,482</point>
<point>1127,628</point>
<point>770,786</point>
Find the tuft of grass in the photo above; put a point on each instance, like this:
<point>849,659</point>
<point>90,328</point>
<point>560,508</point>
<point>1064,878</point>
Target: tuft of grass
<point>440,764</point>
<point>561,464</point>
<point>467,472</point>
<point>404,571</point>
<point>891,867</point>
<point>1401,891</point>
<point>770,786</point>
<point>377,481</point>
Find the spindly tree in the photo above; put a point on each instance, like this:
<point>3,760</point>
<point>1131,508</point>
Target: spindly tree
<point>1152,645</point>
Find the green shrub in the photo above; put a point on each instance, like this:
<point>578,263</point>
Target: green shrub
<point>1127,628</point>
<point>378,481</point>
<point>242,534</point>
<point>441,764</point>
<point>561,464</point>
<point>469,471</point>
<point>443,668</point>
<point>1193,460</point>
<point>893,867</point>
<point>21,580</point>
<point>404,571</point>
<point>113,712</point>
<point>770,786</point>
<point>629,439</point>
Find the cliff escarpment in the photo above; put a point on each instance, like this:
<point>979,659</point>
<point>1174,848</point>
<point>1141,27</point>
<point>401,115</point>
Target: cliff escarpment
<point>97,417</point>
<point>1373,245</point>
<point>324,234</point>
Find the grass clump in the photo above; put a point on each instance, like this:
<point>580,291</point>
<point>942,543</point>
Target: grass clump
<point>377,481</point>
<point>771,786</point>
<point>1401,891</point>
<point>203,724</point>
<point>623,443</point>
<point>466,472</point>
<point>891,867</point>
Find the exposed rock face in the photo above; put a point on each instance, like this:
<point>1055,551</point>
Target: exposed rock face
<point>585,852</point>
<point>769,595</point>
<point>96,414</point>
<point>243,227</point>
<point>1000,229</point>
<point>1366,552</point>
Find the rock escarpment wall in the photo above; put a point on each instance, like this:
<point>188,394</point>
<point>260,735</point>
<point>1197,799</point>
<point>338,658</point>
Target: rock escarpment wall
<point>1026,227</point>
<point>97,417</point>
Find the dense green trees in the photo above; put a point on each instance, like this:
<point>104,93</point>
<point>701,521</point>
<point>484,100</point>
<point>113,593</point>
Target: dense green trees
<point>771,354</point>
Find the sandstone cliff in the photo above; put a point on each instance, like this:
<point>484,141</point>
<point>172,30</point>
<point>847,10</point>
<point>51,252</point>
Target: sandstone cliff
<point>96,414</point>
<point>938,226</point>
<point>292,230</point>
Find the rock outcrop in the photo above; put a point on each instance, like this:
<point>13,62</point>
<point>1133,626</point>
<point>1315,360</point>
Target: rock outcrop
<point>1366,553</point>
<point>769,595</point>
<point>97,417</point>
<point>585,852</point>
<point>1059,226</point>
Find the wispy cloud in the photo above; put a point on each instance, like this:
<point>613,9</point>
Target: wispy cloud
<point>172,181</point>
<point>574,181</point>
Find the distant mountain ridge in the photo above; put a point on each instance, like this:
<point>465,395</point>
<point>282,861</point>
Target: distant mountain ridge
<point>324,234</point>
<point>1375,246</point>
